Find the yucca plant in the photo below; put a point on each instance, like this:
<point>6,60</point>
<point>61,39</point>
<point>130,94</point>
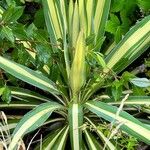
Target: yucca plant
<point>76,32</point>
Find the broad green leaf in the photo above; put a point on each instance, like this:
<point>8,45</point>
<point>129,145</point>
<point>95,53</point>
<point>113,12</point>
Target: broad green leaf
<point>2,90</point>
<point>39,15</point>
<point>27,46</point>
<point>27,75</point>
<point>128,123</point>
<point>116,89</point>
<point>135,42</point>
<point>144,4</point>
<point>7,33</point>
<point>12,14</point>
<point>1,12</point>
<point>75,117</point>
<point>43,55</point>
<point>138,91</point>
<point>92,142</point>
<point>6,96</point>
<point>77,72</point>
<point>141,82</point>
<point>112,24</point>
<point>32,120</point>
<point>10,2</point>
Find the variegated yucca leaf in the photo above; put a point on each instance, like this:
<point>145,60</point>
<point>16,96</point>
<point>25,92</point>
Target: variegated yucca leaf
<point>18,105</point>
<point>100,18</point>
<point>90,16</point>
<point>32,120</point>
<point>70,18</point>
<point>83,16</point>
<point>87,15</point>
<point>48,14</point>
<point>56,21</point>
<point>92,142</point>
<point>75,28</point>
<point>55,140</point>
<point>75,117</point>
<point>134,43</point>
<point>55,18</point>
<point>101,135</point>
<point>61,141</point>
<point>27,95</point>
<point>77,72</point>
<point>134,100</point>
<point>27,75</point>
<point>127,122</point>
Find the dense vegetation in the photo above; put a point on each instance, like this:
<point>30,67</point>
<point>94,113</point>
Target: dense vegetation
<point>74,74</point>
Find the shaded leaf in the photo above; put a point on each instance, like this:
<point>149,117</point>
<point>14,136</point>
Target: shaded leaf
<point>140,82</point>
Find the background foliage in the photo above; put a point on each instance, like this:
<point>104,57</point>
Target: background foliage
<point>22,28</point>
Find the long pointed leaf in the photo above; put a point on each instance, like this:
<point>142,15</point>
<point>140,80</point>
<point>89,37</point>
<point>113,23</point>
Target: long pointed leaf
<point>61,6</point>
<point>91,141</point>
<point>135,42</point>
<point>18,105</point>
<point>83,16</point>
<point>90,16</point>
<point>100,18</point>
<point>51,139</point>
<point>75,116</point>
<point>134,100</point>
<point>32,120</point>
<point>53,13</point>
<point>77,72</point>
<point>101,135</point>
<point>49,24</point>
<point>75,25</point>
<point>27,75</point>
<point>61,141</point>
<point>129,124</point>
<point>27,95</point>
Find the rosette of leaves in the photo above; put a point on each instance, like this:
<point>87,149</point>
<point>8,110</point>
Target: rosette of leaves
<point>76,32</point>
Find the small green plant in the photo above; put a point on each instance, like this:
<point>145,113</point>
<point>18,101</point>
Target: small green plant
<point>76,32</point>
